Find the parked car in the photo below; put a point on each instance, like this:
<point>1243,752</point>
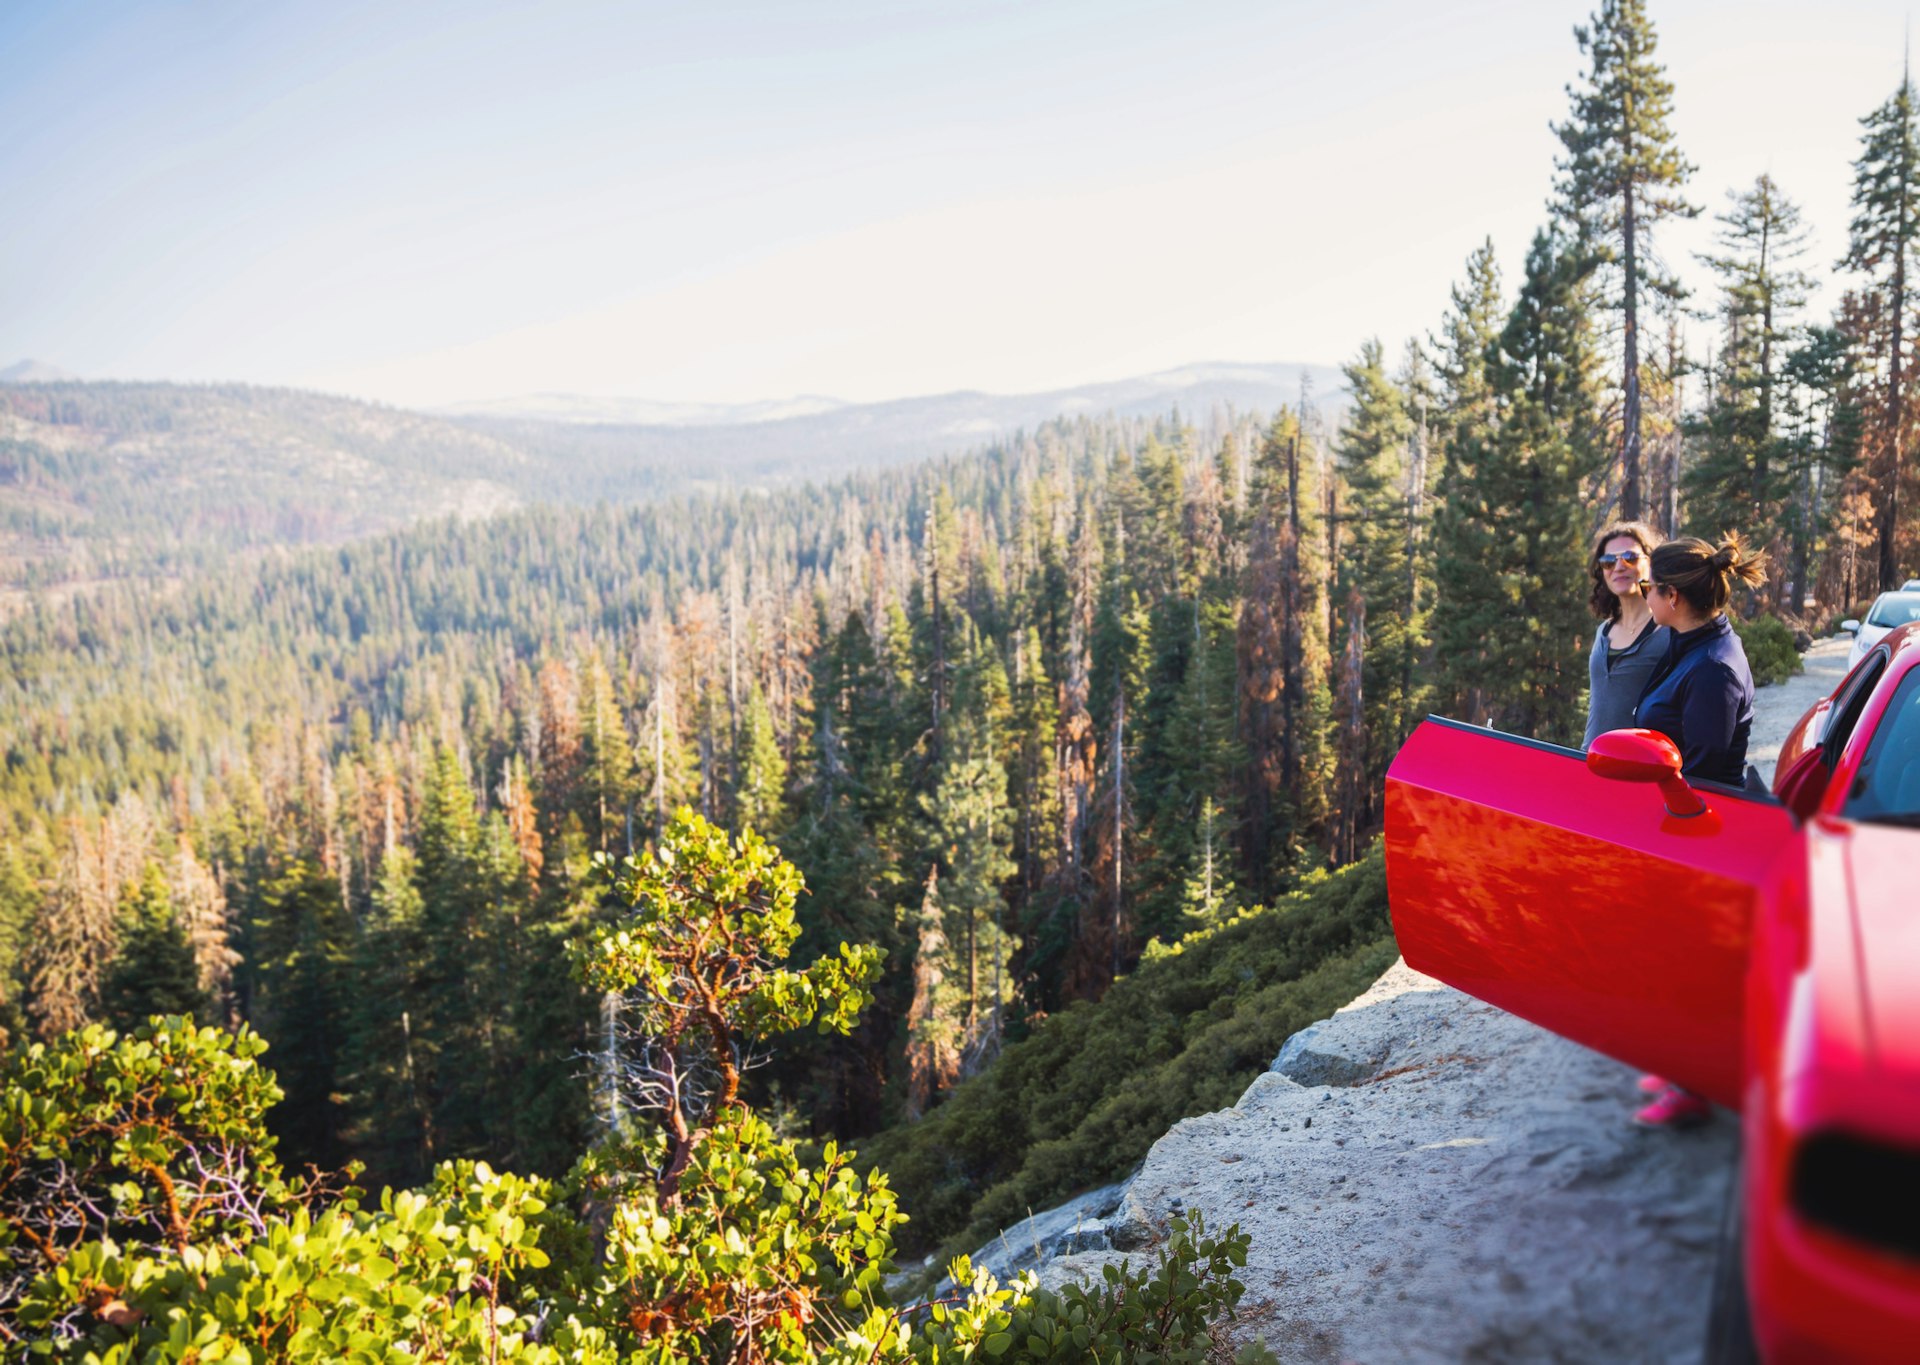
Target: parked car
<point>1762,949</point>
<point>1890,611</point>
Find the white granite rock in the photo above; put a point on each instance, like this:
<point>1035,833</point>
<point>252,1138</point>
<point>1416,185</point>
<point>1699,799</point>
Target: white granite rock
<point>1474,1193</point>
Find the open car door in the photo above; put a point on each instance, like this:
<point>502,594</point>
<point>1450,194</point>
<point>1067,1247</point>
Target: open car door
<point>1579,902</point>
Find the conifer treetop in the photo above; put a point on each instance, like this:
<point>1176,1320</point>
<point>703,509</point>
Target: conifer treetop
<point>1622,164</point>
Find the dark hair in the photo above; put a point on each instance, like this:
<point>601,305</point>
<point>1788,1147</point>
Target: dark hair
<point>1703,574</point>
<point>1605,605</point>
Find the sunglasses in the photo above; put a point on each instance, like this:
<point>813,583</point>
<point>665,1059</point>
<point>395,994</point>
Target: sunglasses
<point>1607,561</point>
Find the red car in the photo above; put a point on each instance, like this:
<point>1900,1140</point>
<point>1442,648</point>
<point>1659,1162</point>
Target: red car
<point>1762,949</point>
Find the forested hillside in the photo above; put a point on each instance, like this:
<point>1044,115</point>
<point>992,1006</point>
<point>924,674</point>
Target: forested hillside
<point>102,481</point>
<point>421,735</point>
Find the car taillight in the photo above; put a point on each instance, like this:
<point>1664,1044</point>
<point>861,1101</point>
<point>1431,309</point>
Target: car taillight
<point>1861,1189</point>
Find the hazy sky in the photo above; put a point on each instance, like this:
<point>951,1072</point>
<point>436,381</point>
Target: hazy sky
<point>428,203</point>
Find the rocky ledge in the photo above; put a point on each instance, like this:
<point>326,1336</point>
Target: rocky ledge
<point>1427,1178</point>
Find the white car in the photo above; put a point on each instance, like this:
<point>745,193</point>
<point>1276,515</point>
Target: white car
<point>1889,610</point>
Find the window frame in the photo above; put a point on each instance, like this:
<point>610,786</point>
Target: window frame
<point>1905,692</point>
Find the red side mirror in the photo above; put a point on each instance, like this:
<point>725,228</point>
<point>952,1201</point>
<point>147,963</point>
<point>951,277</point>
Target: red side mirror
<point>1645,756</point>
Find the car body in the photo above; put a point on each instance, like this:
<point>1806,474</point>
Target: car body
<point>1890,611</point>
<point>1763,951</point>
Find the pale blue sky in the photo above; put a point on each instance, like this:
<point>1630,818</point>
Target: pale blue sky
<point>428,203</point>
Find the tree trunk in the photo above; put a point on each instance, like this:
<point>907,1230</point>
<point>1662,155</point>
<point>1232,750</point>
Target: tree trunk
<point>1119,815</point>
<point>1888,511</point>
<point>1293,653</point>
<point>1766,374</point>
<point>1630,381</point>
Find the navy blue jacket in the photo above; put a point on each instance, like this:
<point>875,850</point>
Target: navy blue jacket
<point>1701,698</point>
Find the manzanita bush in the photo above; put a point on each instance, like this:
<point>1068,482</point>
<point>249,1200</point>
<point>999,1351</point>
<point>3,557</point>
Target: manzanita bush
<point>143,1216</point>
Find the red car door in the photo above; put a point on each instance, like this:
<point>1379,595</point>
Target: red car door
<point>1578,902</point>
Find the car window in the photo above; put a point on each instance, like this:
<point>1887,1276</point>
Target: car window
<point>1848,702</point>
<point>1887,787</point>
<point>1894,610</point>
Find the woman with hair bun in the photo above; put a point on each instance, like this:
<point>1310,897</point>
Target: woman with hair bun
<point>1701,695</point>
<point>1701,698</point>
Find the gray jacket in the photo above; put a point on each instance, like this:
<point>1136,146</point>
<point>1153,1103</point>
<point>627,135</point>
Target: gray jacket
<point>1614,691</point>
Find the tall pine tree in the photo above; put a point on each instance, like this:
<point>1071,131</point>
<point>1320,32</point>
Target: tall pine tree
<point>1621,177</point>
<point>1881,244</point>
<point>1512,558</point>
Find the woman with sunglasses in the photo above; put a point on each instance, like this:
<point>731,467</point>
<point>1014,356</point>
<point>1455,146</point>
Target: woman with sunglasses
<point>1701,698</point>
<point>1629,643</point>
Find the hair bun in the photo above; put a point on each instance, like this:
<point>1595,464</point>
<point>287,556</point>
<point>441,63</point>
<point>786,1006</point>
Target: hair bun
<point>1726,556</point>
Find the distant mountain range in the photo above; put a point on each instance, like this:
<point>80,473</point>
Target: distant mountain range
<point>970,414</point>
<point>765,447</point>
<point>33,372</point>
<point>102,480</point>
<point>638,412</point>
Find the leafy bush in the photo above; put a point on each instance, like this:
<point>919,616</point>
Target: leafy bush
<point>429,1275</point>
<point>1857,612</point>
<point>1770,652</point>
<point>142,1216</point>
<point>1161,1314</point>
<point>154,1141</point>
<point>1080,1101</point>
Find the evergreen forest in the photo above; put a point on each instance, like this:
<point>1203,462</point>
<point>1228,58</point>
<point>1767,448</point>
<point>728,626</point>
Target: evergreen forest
<point>1084,732</point>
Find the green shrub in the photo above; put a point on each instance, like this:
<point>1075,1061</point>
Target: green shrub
<point>1770,652</point>
<point>1162,1313</point>
<point>430,1275</point>
<point>697,1234</point>
<point>1857,612</point>
<point>1080,1101</point>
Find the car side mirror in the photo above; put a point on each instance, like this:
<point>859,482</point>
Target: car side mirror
<point>1850,626</point>
<point>1645,756</point>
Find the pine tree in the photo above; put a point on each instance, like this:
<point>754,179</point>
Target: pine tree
<point>933,1028</point>
<point>969,834</point>
<point>851,883</point>
<point>20,895</point>
<point>1511,561</point>
<point>515,794</point>
<point>154,971</point>
<point>78,929</point>
<point>558,757</point>
<point>760,769</point>
<point>1376,566</point>
<point>1821,448</point>
<point>1736,479</point>
<point>1468,350</point>
<point>605,763</point>
<point>298,945</point>
<point>392,1074</point>
<point>464,877</point>
<point>1199,761</point>
<point>1621,177</point>
<point>1464,352</point>
<point>200,908</point>
<point>1349,815</point>
<point>1034,789</point>
<point>1122,658</point>
<point>1281,660</point>
<point>1881,245</point>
